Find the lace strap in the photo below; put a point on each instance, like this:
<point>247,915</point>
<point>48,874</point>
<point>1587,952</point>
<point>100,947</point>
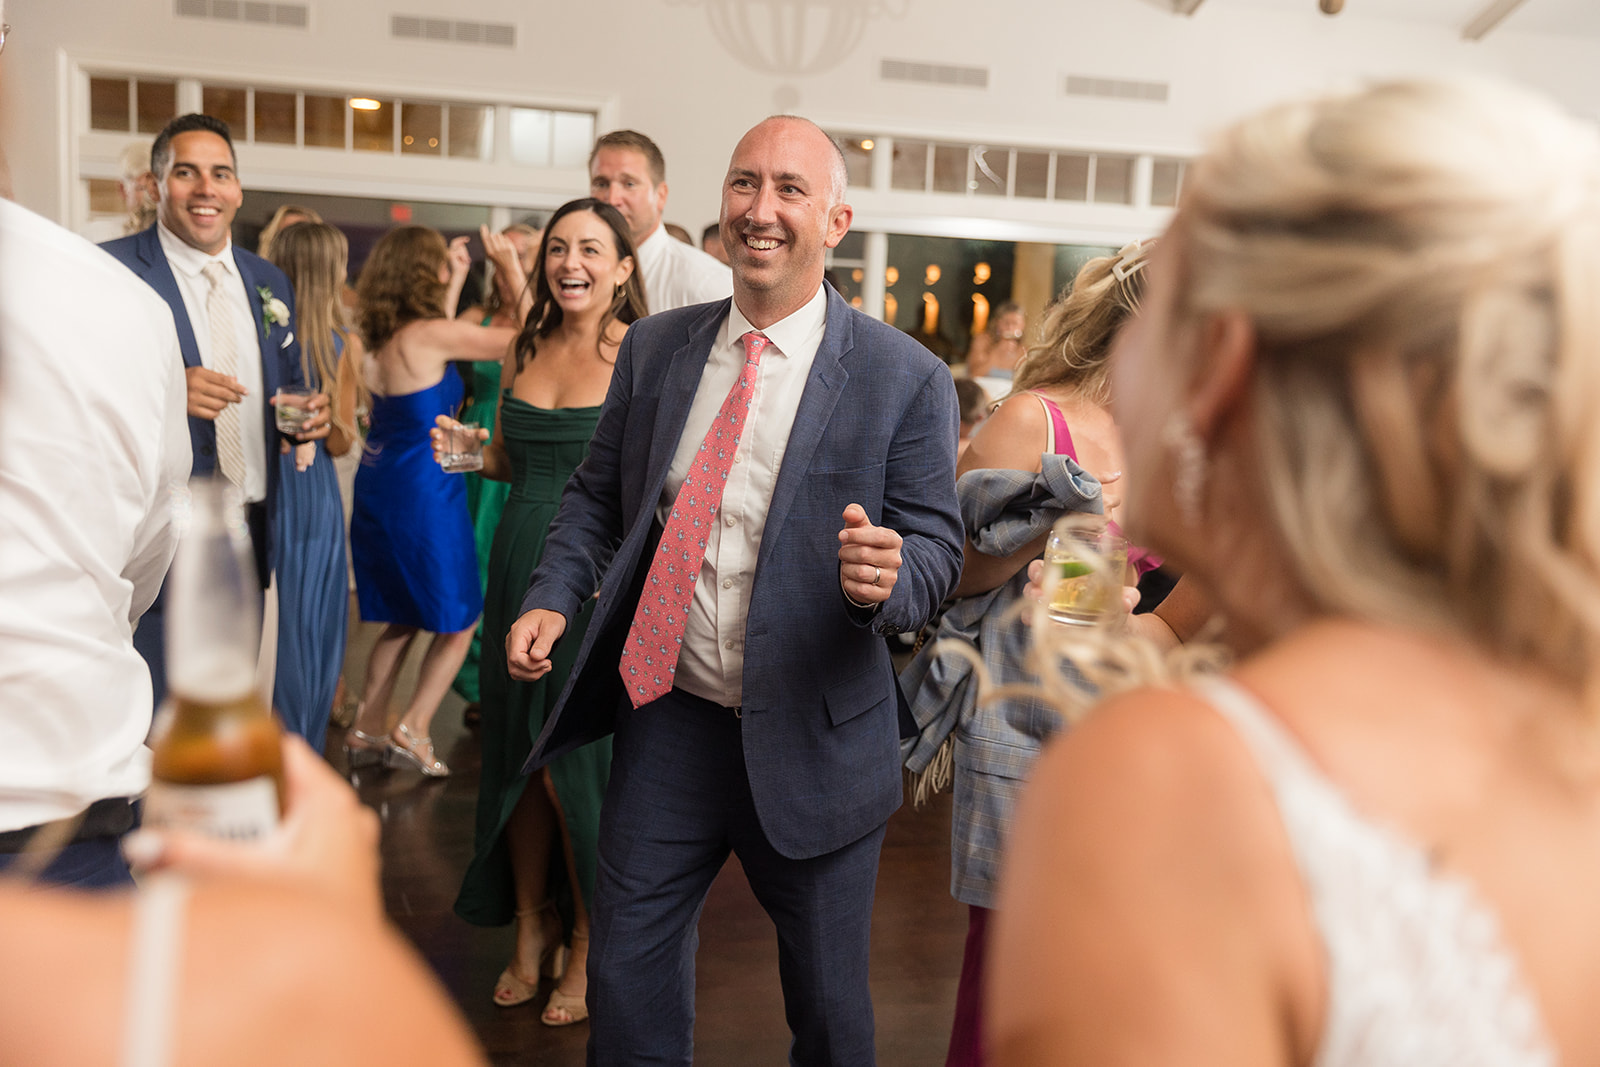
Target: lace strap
<point>1281,757</point>
<point>155,959</point>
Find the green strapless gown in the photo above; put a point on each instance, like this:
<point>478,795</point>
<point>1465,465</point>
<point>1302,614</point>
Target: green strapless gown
<point>545,447</point>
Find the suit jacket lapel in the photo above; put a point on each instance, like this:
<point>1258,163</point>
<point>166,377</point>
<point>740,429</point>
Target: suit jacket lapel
<point>157,273</point>
<point>269,359</point>
<point>823,388</point>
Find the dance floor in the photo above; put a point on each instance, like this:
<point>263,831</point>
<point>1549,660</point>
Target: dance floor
<point>917,929</point>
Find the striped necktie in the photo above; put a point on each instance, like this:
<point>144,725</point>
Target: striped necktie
<point>225,360</point>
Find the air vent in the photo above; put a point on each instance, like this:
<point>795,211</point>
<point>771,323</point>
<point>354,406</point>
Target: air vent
<point>253,12</point>
<point>453,31</point>
<point>1116,89</point>
<point>904,70</point>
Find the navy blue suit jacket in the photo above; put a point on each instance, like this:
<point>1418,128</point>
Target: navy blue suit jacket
<point>280,349</point>
<point>877,426</point>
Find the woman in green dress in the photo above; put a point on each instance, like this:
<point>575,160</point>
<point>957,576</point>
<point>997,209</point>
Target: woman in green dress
<point>536,840</point>
<point>511,252</point>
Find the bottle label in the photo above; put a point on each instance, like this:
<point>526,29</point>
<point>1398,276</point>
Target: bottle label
<point>237,811</point>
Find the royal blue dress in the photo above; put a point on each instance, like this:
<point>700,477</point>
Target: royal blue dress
<point>411,535</point>
<point>313,591</point>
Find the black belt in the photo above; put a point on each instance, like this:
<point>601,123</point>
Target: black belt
<point>111,817</point>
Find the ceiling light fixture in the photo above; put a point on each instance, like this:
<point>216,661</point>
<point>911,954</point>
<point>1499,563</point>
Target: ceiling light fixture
<point>1331,7</point>
<point>365,103</point>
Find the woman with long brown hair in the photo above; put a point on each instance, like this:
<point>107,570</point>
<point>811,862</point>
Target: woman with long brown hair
<point>313,597</point>
<point>411,535</point>
<point>537,840</point>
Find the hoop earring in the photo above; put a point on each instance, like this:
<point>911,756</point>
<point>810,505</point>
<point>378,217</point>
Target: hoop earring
<point>1189,458</point>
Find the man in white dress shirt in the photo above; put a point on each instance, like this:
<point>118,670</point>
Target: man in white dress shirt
<point>627,171</point>
<point>92,448</point>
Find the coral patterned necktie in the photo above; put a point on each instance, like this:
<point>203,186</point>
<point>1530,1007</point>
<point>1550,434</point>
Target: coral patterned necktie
<point>650,656</point>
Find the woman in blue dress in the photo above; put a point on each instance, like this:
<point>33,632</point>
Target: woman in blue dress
<point>313,601</point>
<point>411,535</point>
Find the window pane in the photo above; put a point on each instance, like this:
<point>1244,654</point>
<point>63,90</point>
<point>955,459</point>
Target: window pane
<point>1072,176</point>
<point>910,167</point>
<point>530,136</point>
<point>989,169</point>
<point>1033,175</point>
<point>158,105</point>
<point>105,197</point>
<point>227,105</point>
<point>1166,177</point>
<point>324,121</point>
<point>108,104</point>
<point>373,129</point>
<point>858,161</point>
<point>1113,180</point>
<point>949,168</point>
<point>275,118</point>
<point>421,129</point>
<point>471,131</point>
<point>574,136</point>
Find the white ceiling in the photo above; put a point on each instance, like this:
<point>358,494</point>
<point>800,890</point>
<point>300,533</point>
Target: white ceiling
<point>1579,18</point>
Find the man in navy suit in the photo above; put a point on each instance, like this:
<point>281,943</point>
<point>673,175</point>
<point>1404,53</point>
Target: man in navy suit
<point>235,317</point>
<point>775,732</point>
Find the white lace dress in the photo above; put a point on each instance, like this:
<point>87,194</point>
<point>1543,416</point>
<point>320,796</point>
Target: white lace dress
<point>1418,975</point>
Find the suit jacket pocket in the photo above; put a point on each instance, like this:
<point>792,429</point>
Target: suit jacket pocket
<point>855,696</point>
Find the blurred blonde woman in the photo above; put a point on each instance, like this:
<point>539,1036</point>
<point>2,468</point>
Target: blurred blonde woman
<point>1358,407</point>
<point>313,584</point>
<point>286,217</point>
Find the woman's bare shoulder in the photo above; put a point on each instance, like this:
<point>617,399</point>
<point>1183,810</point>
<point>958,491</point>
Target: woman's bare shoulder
<point>1012,437</point>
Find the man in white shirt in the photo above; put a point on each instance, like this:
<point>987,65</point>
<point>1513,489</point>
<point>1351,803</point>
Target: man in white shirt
<point>627,171</point>
<point>93,448</point>
<point>234,314</point>
<point>810,450</point>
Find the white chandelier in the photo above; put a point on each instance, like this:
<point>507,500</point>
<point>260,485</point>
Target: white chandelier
<point>793,37</point>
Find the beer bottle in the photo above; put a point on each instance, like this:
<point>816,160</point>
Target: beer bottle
<point>217,760</point>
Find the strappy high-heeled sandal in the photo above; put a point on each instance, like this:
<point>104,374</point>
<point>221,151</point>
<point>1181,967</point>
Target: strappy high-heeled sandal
<point>409,750</point>
<point>511,988</point>
<point>574,1007</point>
<point>366,749</point>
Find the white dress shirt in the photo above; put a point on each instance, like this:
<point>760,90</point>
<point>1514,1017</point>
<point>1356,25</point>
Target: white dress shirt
<point>711,661</point>
<point>677,275</point>
<point>187,264</point>
<point>93,445</point>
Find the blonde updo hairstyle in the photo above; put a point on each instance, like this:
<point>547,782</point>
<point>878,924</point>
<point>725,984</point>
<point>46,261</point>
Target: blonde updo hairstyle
<point>1080,325</point>
<point>1421,264</point>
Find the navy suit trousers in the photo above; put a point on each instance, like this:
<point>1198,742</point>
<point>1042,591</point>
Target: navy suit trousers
<point>678,803</point>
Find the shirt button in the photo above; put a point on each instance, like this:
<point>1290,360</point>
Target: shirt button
<point>728,645</point>
<point>732,521</point>
<point>738,457</point>
<point>727,583</point>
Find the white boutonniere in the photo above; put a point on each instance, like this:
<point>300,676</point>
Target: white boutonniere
<point>274,312</point>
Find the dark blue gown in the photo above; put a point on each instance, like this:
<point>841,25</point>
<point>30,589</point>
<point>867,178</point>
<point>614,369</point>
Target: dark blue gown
<point>313,591</point>
<point>410,534</point>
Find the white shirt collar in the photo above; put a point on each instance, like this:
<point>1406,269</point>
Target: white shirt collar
<point>189,259</point>
<point>788,334</point>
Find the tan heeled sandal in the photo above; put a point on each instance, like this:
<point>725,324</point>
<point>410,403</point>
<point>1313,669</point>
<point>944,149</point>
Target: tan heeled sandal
<point>575,1008</point>
<point>511,989</point>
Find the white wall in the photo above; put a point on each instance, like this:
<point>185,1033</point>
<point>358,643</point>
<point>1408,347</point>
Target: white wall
<point>659,68</point>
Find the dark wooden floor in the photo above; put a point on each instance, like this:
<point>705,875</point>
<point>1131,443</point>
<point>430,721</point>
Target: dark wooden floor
<point>917,929</point>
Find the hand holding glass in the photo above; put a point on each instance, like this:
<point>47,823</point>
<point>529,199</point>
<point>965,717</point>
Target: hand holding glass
<point>1084,565</point>
<point>294,408</point>
<point>459,446</point>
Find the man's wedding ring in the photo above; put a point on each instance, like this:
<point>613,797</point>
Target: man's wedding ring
<point>877,572</point>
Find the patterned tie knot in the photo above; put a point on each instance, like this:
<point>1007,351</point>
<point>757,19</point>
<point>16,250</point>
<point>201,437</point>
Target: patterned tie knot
<point>215,273</point>
<point>755,343</point>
